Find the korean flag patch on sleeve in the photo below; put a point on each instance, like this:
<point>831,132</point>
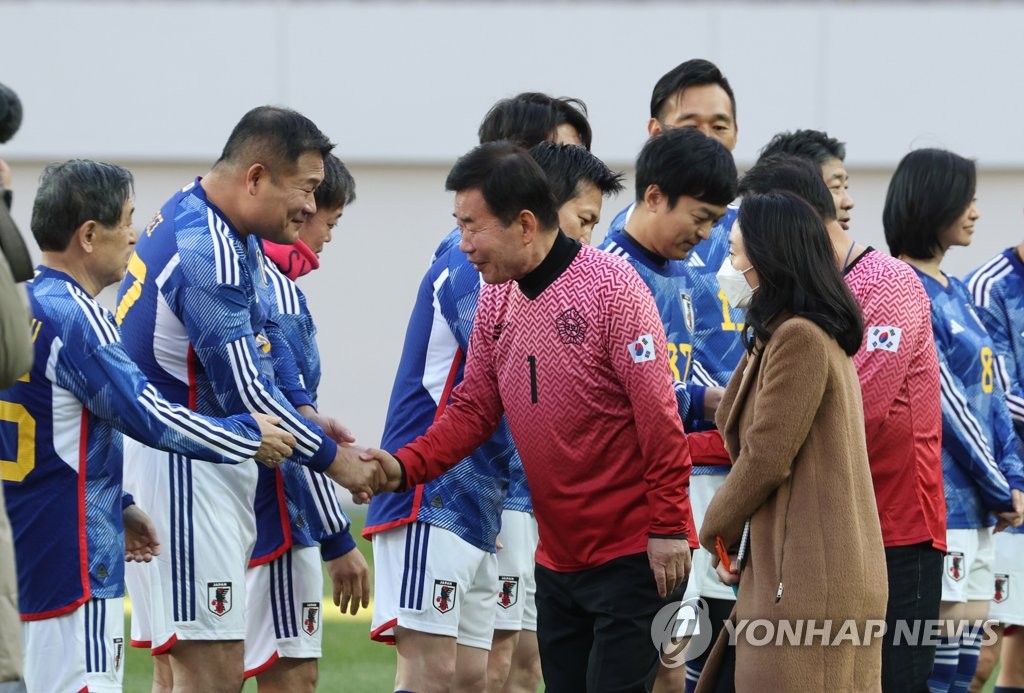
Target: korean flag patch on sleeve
<point>883,337</point>
<point>642,349</point>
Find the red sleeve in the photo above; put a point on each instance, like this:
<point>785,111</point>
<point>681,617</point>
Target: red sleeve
<point>469,420</point>
<point>707,448</point>
<point>648,384</point>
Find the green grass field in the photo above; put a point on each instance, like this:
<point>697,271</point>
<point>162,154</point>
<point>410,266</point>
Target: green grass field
<point>351,661</point>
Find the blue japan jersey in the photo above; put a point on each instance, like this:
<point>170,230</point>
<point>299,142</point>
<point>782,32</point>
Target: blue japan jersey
<point>466,500</point>
<point>980,459</point>
<point>61,448</point>
<point>308,499</point>
<point>199,317</point>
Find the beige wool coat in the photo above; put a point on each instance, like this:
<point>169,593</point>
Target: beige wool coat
<point>792,421</point>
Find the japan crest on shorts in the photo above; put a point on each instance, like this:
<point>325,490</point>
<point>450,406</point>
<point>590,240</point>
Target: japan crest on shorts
<point>885,338</point>
<point>955,565</point>
<point>218,597</point>
<point>444,595</point>
<point>1002,591</point>
<point>310,617</point>
<point>508,591</point>
<point>642,349</point>
<point>687,302</point>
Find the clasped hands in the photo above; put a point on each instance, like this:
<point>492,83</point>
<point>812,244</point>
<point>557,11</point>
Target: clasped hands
<point>365,471</point>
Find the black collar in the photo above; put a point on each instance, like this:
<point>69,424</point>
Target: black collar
<point>658,260</point>
<point>563,252</point>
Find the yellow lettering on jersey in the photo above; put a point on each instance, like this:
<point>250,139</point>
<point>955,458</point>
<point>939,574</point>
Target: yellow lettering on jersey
<point>17,469</point>
<point>674,352</point>
<point>727,324</point>
<point>137,269</point>
<point>153,223</point>
<point>987,374</point>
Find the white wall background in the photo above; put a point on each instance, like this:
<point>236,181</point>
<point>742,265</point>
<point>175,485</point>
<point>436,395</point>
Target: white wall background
<point>402,86</point>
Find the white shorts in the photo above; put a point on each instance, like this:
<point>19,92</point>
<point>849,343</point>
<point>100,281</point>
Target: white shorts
<point>1008,602</point>
<point>203,512</point>
<point>285,610</point>
<point>967,566</point>
<point>430,580</point>
<point>517,586</point>
<point>83,649</point>
<point>704,580</point>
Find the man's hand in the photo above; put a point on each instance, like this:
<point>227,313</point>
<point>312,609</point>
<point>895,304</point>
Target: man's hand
<point>140,540</point>
<point>361,478</point>
<point>389,465</point>
<point>333,428</point>
<point>350,576</point>
<point>712,398</point>
<point>728,577</point>
<point>1012,518</point>
<point>277,443</point>
<point>670,563</point>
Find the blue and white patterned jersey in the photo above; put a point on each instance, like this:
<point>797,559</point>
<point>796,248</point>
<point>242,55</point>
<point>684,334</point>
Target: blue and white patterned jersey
<point>307,498</point>
<point>717,347</point>
<point>199,318</point>
<point>980,461</point>
<point>467,499</point>
<point>61,448</point>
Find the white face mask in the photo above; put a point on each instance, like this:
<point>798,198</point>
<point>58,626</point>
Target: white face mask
<point>734,284</point>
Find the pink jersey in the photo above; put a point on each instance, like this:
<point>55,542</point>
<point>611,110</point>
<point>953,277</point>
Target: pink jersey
<point>899,379</point>
<point>574,355</point>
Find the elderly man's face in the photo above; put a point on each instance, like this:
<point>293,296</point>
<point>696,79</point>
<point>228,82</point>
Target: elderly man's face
<point>497,251</point>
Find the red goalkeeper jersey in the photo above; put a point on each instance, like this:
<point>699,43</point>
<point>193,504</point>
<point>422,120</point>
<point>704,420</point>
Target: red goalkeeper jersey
<point>574,355</point>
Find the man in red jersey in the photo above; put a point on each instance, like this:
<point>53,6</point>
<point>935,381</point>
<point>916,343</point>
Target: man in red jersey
<point>569,345</point>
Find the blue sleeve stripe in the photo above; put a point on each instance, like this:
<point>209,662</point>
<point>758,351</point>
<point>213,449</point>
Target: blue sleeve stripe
<point>700,375</point>
<point>325,496</point>
<point>225,256</point>
<point>257,398</point>
<point>616,249</point>
<point>982,281</point>
<point>220,440</point>
<point>968,427</point>
<point>95,314</point>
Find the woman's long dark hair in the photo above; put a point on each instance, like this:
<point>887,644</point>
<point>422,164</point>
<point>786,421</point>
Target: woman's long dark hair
<point>788,246</point>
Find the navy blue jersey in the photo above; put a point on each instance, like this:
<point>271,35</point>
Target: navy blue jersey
<point>466,500</point>
<point>980,462</point>
<point>61,444</point>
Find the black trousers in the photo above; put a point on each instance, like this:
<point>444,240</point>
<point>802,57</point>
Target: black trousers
<point>915,591</point>
<point>594,627</point>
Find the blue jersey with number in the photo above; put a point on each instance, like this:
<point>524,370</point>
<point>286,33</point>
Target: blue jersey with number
<point>61,448</point>
<point>199,318</point>
<point>717,347</point>
<point>308,499</point>
<point>467,499</point>
<point>980,460</point>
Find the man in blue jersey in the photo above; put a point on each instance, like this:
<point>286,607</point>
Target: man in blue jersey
<point>299,518</point>
<point>62,443</point>
<point>443,639</point>
<point>997,288</point>
<point>200,319</point>
<point>695,94</point>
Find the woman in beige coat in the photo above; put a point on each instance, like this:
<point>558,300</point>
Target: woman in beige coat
<point>792,421</point>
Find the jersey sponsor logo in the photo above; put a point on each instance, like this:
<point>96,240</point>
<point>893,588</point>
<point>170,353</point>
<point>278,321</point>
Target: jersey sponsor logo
<point>218,597</point>
<point>262,343</point>
<point>687,302</point>
<point>955,565</point>
<point>884,338</point>
<point>444,595</point>
<point>694,260</point>
<point>508,591</point>
<point>310,617</point>
<point>955,327</point>
<point>1002,588</point>
<point>118,653</point>
<point>497,330</point>
<point>572,327</point>
<point>642,349</point>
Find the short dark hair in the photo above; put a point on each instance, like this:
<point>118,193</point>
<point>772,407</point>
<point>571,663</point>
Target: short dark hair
<point>692,73</point>
<point>794,174</point>
<point>509,180</point>
<point>567,166</point>
<point>684,162</point>
<point>532,117</point>
<point>10,113</point>
<point>275,137</point>
<point>809,144</point>
<point>338,187</point>
<point>930,189</point>
<point>789,249</point>
<point>73,193</point>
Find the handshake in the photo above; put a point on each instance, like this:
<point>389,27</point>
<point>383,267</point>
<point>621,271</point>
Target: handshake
<point>365,472</point>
